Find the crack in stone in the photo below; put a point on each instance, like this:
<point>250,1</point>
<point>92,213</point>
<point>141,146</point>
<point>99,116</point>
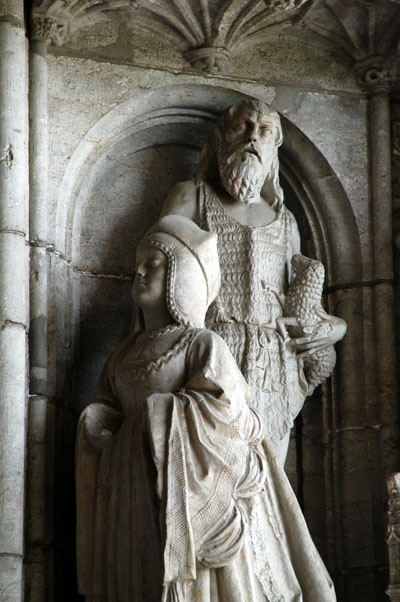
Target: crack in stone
<point>50,248</point>
<point>5,323</point>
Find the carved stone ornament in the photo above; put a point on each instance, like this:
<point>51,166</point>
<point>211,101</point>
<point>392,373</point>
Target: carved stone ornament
<point>393,538</point>
<point>209,58</point>
<point>208,32</point>
<point>178,499</point>
<point>379,73</point>
<point>256,236</point>
<point>47,29</point>
<point>365,33</point>
<point>54,21</point>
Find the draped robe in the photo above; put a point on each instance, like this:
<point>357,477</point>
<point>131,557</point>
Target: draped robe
<point>182,503</point>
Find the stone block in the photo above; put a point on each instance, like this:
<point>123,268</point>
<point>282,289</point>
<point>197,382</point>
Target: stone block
<point>13,279</point>
<point>12,438</point>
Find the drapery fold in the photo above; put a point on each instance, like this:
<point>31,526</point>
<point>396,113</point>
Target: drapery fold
<point>181,503</point>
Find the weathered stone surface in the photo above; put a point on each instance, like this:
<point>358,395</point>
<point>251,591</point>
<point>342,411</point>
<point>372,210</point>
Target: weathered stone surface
<point>14,194</point>
<point>12,438</point>
<point>11,587</point>
<point>13,126</point>
<point>13,10</point>
<point>13,279</point>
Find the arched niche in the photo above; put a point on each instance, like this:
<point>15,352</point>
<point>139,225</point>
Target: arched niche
<point>112,192</point>
<point>122,171</point>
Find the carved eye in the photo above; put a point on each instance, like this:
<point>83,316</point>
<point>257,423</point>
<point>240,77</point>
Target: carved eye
<point>155,261</point>
<point>239,125</point>
<point>265,130</point>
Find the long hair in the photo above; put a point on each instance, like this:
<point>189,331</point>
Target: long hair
<point>207,169</point>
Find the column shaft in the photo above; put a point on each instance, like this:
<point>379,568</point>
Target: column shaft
<point>381,189</point>
<point>14,278</point>
<point>39,411</point>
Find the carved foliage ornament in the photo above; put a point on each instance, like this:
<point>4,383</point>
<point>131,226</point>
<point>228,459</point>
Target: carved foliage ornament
<point>365,34</point>
<point>47,29</point>
<point>206,31</point>
<point>379,73</point>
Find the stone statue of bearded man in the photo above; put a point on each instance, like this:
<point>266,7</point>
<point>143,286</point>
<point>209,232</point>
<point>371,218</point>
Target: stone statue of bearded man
<point>236,193</point>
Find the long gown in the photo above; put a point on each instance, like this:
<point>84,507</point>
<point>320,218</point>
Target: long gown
<point>183,504</point>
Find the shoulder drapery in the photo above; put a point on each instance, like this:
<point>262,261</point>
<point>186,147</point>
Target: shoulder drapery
<point>204,440</point>
<point>205,446</point>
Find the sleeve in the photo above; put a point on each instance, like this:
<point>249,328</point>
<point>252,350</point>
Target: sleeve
<point>204,440</point>
<point>103,413</point>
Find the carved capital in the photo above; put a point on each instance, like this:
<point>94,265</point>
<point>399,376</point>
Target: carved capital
<point>379,73</point>
<point>47,29</point>
<point>210,59</point>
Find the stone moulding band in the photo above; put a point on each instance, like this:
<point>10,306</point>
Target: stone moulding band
<point>350,285</point>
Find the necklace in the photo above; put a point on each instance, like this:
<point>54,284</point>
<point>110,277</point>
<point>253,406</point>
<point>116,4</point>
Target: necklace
<point>152,334</point>
<point>138,370</point>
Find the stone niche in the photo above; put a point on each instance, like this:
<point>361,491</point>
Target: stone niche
<point>110,193</point>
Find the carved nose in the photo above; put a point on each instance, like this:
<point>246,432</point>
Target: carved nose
<point>140,270</point>
<point>253,134</point>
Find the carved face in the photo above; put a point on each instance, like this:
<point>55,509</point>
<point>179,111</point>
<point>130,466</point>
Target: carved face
<point>252,135</point>
<point>246,152</point>
<point>149,285</point>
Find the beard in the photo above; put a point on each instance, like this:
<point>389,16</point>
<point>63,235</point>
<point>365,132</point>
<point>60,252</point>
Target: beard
<point>242,174</point>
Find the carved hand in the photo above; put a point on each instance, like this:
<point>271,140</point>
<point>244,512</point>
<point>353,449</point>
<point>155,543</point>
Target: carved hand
<point>100,423</point>
<point>307,345</point>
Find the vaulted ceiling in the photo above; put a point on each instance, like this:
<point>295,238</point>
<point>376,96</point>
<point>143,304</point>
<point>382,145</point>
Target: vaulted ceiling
<point>209,33</point>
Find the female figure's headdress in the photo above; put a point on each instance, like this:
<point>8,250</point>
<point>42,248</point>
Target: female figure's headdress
<point>193,276</point>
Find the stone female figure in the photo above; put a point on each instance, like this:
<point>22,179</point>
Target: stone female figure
<point>177,501</point>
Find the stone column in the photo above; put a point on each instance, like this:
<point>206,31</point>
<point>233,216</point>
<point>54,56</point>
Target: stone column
<point>379,75</point>
<point>14,195</point>
<point>43,30</point>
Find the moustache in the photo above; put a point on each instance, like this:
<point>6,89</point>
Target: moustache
<point>246,148</point>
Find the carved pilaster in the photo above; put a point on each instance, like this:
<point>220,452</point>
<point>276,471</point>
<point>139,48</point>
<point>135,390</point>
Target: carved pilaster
<point>396,181</point>
<point>393,537</point>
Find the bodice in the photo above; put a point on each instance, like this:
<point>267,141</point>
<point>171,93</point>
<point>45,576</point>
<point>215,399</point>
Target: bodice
<point>150,363</point>
<point>253,263</point>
